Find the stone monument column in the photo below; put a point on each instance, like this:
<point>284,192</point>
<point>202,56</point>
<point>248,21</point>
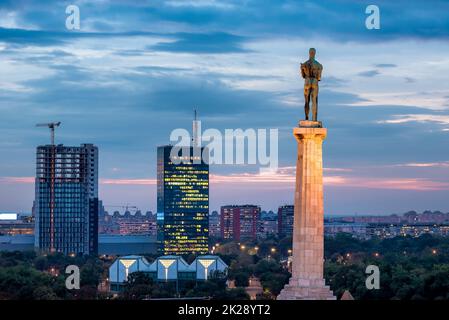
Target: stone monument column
<point>307,281</point>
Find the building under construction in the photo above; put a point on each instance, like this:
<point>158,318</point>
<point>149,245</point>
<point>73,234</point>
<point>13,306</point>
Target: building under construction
<point>67,199</point>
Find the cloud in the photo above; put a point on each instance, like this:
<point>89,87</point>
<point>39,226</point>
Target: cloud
<point>385,65</point>
<point>444,164</point>
<point>218,42</point>
<point>415,184</point>
<point>333,82</point>
<point>222,5</point>
<point>128,181</point>
<point>344,19</point>
<point>285,176</point>
<point>337,170</point>
<point>17,180</point>
<point>369,73</point>
<point>399,119</point>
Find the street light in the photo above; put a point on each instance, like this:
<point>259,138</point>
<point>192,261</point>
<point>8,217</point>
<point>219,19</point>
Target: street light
<point>242,247</point>
<point>273,250</point>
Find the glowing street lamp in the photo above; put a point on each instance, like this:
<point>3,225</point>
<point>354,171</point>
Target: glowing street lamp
<point>273,250</point>
<point>242,247</point>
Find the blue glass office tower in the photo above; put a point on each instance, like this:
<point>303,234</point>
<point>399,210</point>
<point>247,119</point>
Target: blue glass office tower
<point>66,196</point>
<point>182,202</point>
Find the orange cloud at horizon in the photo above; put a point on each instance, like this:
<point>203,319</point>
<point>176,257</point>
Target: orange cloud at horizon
<point>17,179</point>
<point>283,177</point>
<point>129,181</point>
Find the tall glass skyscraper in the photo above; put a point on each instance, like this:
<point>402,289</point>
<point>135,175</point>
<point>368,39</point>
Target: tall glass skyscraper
<point>66,198</point>
<point>182,202</point>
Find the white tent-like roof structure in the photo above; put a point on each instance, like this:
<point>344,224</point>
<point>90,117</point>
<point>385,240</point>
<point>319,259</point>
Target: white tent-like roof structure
<point>166,268</point>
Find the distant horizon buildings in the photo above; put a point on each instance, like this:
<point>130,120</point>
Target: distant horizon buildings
<point>127,224</point>
<point>239,222</point>
<point>66,199</point>
<point>18,234</point>
<point>182,202</point>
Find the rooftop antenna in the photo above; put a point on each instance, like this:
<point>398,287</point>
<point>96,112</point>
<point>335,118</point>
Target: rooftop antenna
<point>196,127</point>
<point>51,126</point>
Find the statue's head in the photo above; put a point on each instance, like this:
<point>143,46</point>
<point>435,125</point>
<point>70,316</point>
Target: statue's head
<point>312,53</point>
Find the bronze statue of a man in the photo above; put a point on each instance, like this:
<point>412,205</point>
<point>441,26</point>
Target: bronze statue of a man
<point>311,72</point>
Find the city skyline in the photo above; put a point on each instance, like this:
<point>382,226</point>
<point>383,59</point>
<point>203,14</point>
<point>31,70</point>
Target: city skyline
<point>134,73</point>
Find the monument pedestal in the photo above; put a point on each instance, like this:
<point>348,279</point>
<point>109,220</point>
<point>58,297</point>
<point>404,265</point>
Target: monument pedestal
<point>297,290</point>
<point>307,281</point>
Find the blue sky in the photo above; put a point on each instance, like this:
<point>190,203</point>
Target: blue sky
<point>134,72</point>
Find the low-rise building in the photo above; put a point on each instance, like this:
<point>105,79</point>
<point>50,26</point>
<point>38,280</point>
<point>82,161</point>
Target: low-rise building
<point>165,268</point>
<point>12,224</point>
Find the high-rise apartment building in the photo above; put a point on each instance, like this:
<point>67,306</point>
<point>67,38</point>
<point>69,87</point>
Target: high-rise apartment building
<point>285,220</point>
<point>214,224</point>
<point>239,222</point>
<point>66,199</point>
<point>182,201</point>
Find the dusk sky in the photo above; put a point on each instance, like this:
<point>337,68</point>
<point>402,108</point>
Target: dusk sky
<point>134,72</point>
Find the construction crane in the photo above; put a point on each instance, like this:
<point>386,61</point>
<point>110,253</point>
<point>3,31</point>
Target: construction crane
<point>51,126</point>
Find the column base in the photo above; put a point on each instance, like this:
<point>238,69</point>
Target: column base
<point>305,289</point>
<point>310,124</point>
